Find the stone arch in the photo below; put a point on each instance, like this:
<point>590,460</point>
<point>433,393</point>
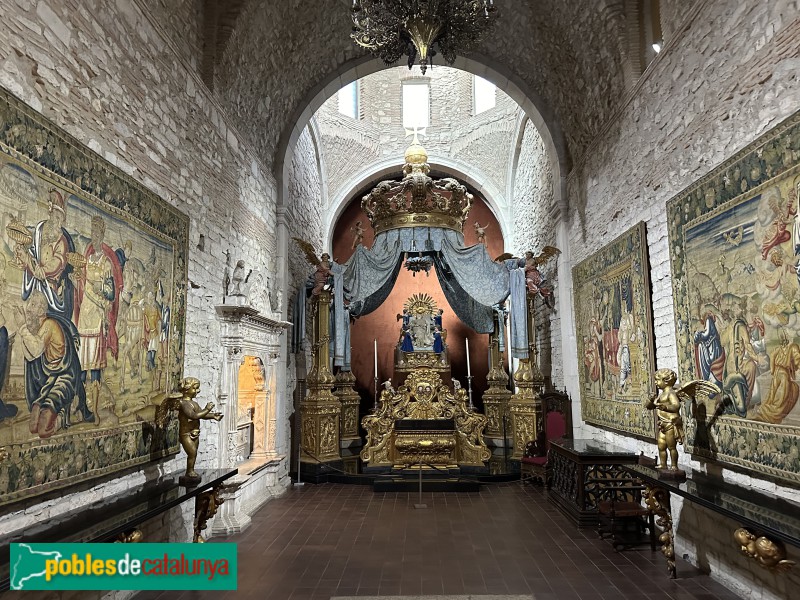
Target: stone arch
<point>468,174</point>
<point>530,102</point>
<point>316,137</point>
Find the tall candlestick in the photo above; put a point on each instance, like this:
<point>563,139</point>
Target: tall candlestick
<point>376,358</point>
<point>468,371</point>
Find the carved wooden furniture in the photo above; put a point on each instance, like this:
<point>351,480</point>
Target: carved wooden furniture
<point>767,522</point>
<point>622,517</point>
<point>557,424</point>
<point>576,466</point>
<point>444,433</point>
<point>116,519</point>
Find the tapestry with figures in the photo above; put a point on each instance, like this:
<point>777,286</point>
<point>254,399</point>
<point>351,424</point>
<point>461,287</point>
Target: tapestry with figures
<point>735,248</point>
<point>92,311</point>
<point>614,328</point>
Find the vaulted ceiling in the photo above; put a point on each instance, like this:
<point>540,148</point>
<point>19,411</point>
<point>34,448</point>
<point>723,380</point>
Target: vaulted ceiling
<point>266,60</point>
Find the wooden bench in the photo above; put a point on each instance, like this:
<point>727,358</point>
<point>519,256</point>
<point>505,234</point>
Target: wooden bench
<point>116,518</point>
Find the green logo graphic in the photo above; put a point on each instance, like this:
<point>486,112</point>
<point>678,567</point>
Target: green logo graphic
<point>123,567</point>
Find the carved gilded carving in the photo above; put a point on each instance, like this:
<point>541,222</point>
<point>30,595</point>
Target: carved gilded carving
<point>770,554</point>
<point>205,507</point>
<point>422,359</point>
<point>657,499</point>
<point>417,200</point>
<point>415,447</point>
<point>350,401</point>
<point>320,410</point>
<point>423,396</point>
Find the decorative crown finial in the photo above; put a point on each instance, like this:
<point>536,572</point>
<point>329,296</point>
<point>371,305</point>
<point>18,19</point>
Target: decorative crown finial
<point>417,200</point>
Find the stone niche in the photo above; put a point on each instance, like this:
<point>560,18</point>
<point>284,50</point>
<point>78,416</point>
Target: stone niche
<point>248,399</point>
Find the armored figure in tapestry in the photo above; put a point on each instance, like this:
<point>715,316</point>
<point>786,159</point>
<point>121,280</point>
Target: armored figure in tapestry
<point>86,338</point>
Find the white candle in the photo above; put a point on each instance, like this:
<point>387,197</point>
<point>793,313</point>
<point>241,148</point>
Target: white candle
<point>376,358</point>
<point>468,371</point>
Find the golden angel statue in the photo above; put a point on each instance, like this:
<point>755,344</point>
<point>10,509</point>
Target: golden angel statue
<point>323,274</point>
<point>667,404</point>
<point>189,416</point>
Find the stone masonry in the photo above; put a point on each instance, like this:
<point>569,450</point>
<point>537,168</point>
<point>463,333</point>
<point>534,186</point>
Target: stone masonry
<point>683,119</point>
<point>120,83</point>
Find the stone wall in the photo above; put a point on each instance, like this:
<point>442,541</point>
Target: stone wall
<point>303,214</point>
<point>112,77</point>
<point>729,76</point>
<point>280,53</point>
<point>532,202</point>
<point>182,21</point>
<point>481,141</point>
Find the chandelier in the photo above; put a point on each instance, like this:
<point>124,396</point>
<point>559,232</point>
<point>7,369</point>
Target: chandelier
<point>391,28</point>
<point>419,263</point>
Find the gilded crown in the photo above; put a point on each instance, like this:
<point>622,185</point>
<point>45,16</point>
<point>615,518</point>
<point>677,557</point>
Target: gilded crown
<point>417,200</point>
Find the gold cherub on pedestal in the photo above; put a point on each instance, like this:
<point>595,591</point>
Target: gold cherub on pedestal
<point>667,405</point>
<point>189,416</point>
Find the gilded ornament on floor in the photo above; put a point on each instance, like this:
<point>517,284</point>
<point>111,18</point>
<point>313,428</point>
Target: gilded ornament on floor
<point>134,536</point>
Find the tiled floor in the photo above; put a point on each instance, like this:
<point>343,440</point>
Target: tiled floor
<point>338,540</point>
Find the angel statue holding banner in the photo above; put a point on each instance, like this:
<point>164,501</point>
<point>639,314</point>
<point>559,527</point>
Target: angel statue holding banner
<point>323,275</point>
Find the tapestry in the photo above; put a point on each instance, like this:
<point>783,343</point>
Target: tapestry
<point>614,328</point>
<point>735,247</point>
<point>92,311</point>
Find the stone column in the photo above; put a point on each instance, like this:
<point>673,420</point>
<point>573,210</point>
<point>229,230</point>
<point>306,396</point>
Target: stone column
<point>495,399</point>
<point>348,422</point>
<point>320,409</point>
<point>284,400</point>
<point>526,405</point>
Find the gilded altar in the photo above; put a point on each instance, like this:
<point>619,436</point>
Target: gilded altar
<point>424,421</point>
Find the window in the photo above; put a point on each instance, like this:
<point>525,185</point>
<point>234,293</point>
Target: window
<point>348,100</point>
<point>484,94</point>
<point>416,103</point>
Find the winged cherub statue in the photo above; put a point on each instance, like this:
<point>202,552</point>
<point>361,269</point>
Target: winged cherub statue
<point>322,275</point>
<point>667,404</point>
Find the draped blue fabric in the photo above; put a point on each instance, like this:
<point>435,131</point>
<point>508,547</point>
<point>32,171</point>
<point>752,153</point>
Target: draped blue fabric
<point>518,310</point>
<point>470,311</point>
<point>340,321</point>
<point>472,282</point>
<point>420,239</point>
<point>369,275</point>
<point>483,280</point>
